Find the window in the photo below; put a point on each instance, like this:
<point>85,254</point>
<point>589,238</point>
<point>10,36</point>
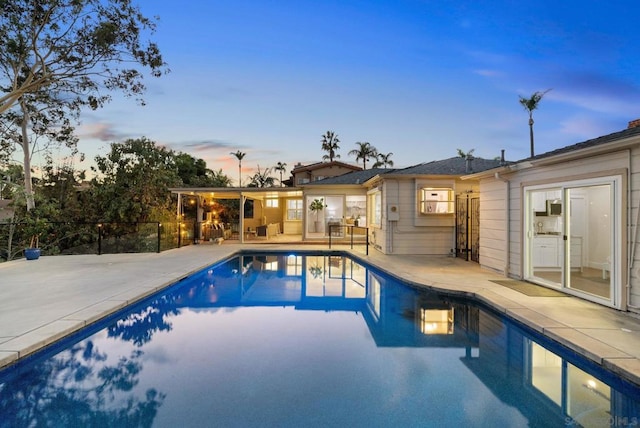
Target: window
<point>294,265</point>
<point>294,209</point>
<point>303,180</point>
<point>375,207</point>
<point>436,201</point>
<point>272,203</point>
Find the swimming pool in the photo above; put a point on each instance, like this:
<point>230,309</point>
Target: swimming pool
<point>272,339</point>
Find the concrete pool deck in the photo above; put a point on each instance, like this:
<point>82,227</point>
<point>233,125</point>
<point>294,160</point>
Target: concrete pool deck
<point>45,300</point>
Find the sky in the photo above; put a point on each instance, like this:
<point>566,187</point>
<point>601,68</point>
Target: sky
<point>419,79</point>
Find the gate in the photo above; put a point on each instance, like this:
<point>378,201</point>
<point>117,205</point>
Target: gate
<point>468,227</point>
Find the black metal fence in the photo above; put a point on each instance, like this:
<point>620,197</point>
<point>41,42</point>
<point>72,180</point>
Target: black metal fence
<point>58,238</point>
<point>349,234</point>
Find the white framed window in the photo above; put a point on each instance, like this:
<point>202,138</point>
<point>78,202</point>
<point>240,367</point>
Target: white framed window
<point>375,208</point>
<point>436,200</point>
<point>294,209</point>
<point>271,202</point>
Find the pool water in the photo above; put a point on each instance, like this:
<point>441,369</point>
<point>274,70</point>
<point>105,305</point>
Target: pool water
<point>309,340</point>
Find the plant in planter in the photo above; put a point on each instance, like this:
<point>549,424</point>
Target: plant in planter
<point>33,251</point>
<point>34,227</point>
<point>316,271</point>
<point>316,207</point>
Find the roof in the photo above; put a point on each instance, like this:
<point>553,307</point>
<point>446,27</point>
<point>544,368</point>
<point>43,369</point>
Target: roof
<point>299,168</point>
<point>353,178</point>
<point>452,166</point>
<point>594,142</point>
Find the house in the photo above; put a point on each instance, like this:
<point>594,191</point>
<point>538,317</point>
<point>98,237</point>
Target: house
<point>568,219</point>
<point>344,202</point>
<point>413,210</point>
<point>262,212</point>
<point>303,174</point>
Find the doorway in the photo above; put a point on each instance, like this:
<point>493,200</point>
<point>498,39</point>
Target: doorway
<point>572,238</point>
<point>468,227</point>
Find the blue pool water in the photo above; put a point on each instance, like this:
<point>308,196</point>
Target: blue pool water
<point>303,341</point>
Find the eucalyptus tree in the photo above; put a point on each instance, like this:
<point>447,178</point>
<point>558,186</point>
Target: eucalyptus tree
<point>383,160</point>
<point>330,144</point>
<point>530,104</point>
<point>60,56</point>
<point>132,182</point>
<point>239,155</point>
<point>365,151</point>
<point>281,168</point>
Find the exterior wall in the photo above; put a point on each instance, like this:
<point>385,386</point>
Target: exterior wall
<point>413,232</point>
<point>493,254</point>
<point>493,230</point>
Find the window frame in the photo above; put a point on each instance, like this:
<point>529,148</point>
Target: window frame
<point>298,209</point>
<point>439,206</point>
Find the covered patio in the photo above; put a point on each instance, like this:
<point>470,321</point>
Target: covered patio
<point>274,214</point>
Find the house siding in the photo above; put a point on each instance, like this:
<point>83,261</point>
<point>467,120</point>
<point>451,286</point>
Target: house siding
<point>493,254</point>
<point>416,233</point>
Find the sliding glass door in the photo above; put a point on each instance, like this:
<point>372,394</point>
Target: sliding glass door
<point>572,238</point>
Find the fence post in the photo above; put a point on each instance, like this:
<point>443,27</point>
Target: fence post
<point>99,239</point>
<point>366,233</point>
<point>159,225</point>
<point>352,237</point>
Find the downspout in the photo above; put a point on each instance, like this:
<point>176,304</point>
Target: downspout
<point>632,237</point>
<point>507,212</point>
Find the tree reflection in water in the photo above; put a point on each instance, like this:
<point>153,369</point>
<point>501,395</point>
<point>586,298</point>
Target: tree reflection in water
<point>78,387</point>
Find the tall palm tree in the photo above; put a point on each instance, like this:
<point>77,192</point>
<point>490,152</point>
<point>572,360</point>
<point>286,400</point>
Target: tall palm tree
<point>530,104</point>
<point>382,160</point>
<point>330,145</point>
<point>239,155</point>
<point>280,167</point>
<point>365,151</point>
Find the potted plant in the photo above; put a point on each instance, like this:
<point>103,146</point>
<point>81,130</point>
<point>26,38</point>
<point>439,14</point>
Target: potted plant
<point>33,251</point>
<point>316,271</point>
<point>34,227</point>
<point>316,207</point>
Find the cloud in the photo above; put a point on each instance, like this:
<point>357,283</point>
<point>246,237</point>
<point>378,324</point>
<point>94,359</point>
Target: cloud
<point>488,73</point>
<point>205,145</point>
<point>102,131</point>
<point>586,127</point>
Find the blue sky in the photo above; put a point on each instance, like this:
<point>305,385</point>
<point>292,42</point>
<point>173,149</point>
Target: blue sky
<point>416,78</point>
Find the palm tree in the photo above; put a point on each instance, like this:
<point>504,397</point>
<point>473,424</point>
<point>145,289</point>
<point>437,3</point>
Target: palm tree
<point>330,145</point>
<point>262,178</point>
<point>382,160</point>
<point>530,104</point>
<point>239,155</point>
<point>462,154</point>
<point>280,167</point>
<point>364,151</point>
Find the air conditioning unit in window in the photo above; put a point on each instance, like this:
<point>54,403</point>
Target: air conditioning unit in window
<point>393,213</point>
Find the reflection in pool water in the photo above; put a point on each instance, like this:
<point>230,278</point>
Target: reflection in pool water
<point>308,340</point>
